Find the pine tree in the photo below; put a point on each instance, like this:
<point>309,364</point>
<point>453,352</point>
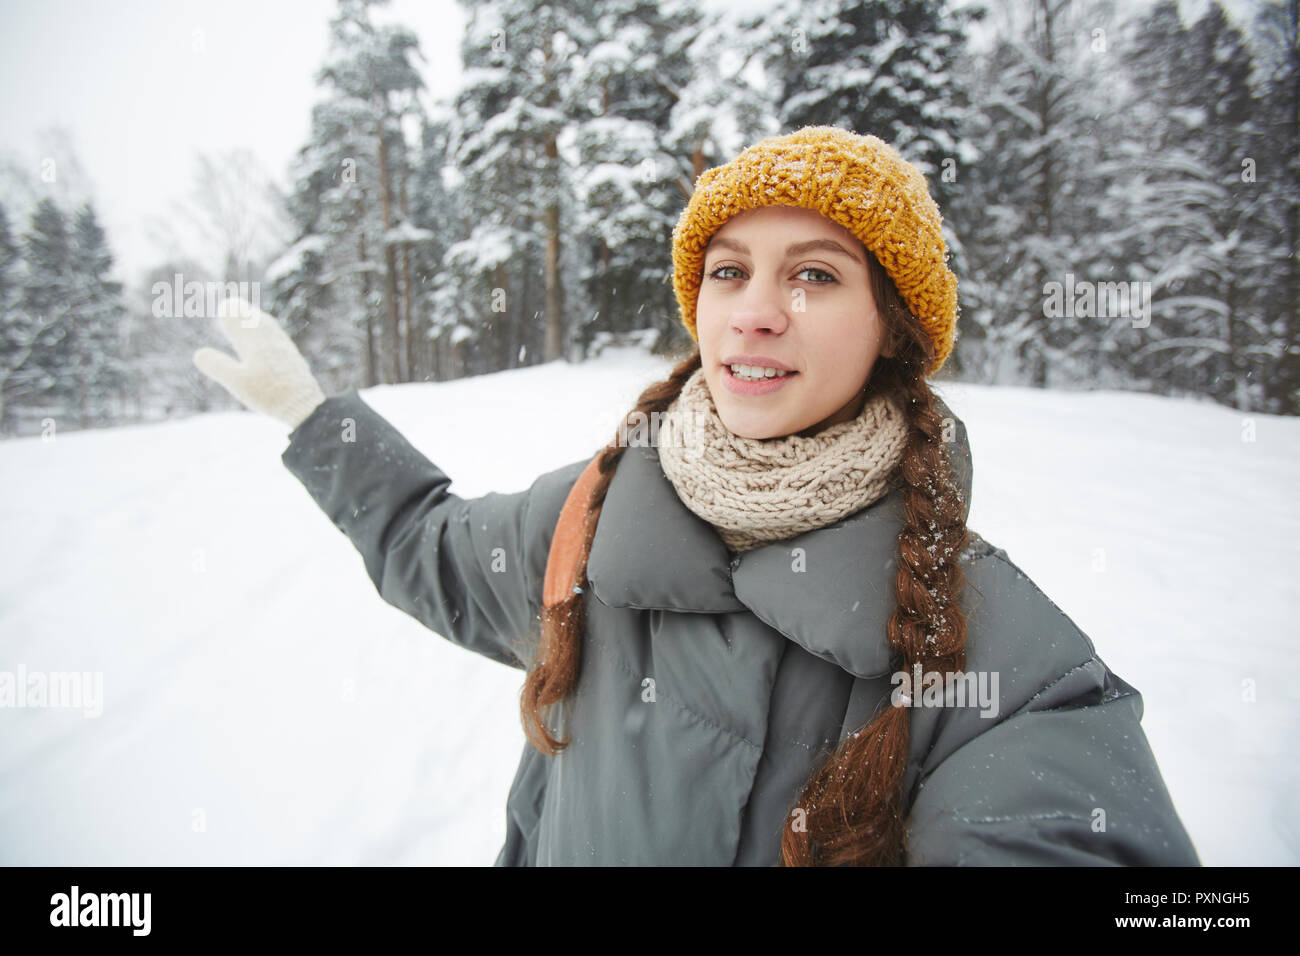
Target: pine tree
<point>1025,210</point>
<point>884,68</point>
<point>640,126</point>
<point>63,338</point>
<point>433,211</point>
<point>1190,218</point>
<point>1237,257</point>
<point>50,300</point>
<point>1154,181</point>
<point>18,328</point>
<point>513,107</point>
<point>323,283</point>
<point>355,164</point>
<point>101,375</point>
<point>313,285</point>
<point>1277,31</point>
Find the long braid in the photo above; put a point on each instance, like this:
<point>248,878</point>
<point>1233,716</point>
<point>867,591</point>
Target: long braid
<point>853,803</point>
<point>555,673</point>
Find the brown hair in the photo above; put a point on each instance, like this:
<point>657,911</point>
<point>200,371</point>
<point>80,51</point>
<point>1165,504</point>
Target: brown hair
<point>853,802</point>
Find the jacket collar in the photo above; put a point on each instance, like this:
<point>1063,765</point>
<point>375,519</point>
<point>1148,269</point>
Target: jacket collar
<point>830,590</point>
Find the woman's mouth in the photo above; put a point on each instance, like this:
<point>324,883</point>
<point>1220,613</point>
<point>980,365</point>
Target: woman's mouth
<point>748,382</point>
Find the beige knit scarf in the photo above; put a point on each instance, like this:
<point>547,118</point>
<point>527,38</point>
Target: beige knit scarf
<point>755,491</point>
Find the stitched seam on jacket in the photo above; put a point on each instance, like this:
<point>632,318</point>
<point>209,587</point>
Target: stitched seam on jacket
<point>662,607</point>
<point>1015,818</point>
<point>1023,708</point>
<point>622,661</point>
<point>1024,817</point>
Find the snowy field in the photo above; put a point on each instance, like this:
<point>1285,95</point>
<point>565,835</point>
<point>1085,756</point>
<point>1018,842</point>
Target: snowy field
<point>263,705</point>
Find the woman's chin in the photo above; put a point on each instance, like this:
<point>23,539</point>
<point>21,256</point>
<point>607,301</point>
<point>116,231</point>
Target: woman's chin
<point>744,416</point>
<point>755,426</point>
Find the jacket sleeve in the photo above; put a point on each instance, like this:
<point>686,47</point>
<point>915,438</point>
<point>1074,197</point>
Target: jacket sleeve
<point>471,570</point>
<point>1067,777</point>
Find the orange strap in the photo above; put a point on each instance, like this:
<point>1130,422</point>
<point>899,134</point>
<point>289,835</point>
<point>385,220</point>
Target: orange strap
<point>570,536</point>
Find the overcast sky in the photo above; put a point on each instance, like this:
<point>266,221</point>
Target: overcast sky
<point>142,85</point>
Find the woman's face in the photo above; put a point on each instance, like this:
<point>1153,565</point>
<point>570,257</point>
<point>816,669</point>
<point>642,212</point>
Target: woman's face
<point>778,293</point>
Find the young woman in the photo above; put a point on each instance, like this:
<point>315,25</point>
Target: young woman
<point>766,635</point>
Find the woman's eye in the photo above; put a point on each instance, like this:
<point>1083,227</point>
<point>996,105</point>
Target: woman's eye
<point>826,280</point>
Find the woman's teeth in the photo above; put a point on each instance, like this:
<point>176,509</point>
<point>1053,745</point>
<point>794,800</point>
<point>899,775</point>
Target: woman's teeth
<point>755,372</point>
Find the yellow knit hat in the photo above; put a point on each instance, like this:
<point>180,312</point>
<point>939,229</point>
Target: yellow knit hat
<point>860,182</point>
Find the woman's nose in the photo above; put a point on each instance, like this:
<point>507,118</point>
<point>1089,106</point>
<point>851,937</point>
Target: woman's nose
<point>763,308</point>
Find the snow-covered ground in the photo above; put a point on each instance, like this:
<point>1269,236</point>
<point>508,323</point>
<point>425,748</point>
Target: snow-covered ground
<point>262,704</point>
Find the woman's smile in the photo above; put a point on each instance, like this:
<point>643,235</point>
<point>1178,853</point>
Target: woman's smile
<point>754,386</point>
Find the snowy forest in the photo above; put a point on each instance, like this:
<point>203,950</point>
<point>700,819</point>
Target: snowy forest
<point>1070,145</point>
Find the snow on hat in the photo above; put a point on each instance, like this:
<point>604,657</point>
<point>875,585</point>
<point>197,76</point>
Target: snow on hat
<point>860,182</point>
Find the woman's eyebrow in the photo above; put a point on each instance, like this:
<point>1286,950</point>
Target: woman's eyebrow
<point>794,249</point>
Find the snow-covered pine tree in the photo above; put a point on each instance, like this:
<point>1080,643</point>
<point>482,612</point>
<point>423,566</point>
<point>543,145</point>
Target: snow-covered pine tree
<point>49,299</point>
<point>18,327</point>
<point>1237,260</point>
<point>63,336</point>
<point>1025,211</point>
<point>1179,186</point>
<point>434,214</point>
<point>1276,31</point>
<point>348,181</point>
<point>884,68</point>
<point>318,286</point>
<point>101,375</point>
<point>510,117</point>
<point>639,123</point>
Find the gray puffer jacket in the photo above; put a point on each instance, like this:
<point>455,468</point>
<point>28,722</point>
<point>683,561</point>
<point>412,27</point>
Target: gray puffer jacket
<point>711,686</point>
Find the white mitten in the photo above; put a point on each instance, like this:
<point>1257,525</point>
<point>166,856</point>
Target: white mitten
<point>271,377</point>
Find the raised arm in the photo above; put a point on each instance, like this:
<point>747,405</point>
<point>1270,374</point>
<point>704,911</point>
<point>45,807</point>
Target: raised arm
<point>468,569</point>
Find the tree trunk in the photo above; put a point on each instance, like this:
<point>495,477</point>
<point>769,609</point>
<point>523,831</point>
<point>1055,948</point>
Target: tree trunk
<point>606,293</point>
<point>414,338</point>
<point>1047,185</point>
<point>392,333</point>
<point>554,293</point>
<point>1290,370</point>
<point>500,321</point>
<point>372,363</point>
